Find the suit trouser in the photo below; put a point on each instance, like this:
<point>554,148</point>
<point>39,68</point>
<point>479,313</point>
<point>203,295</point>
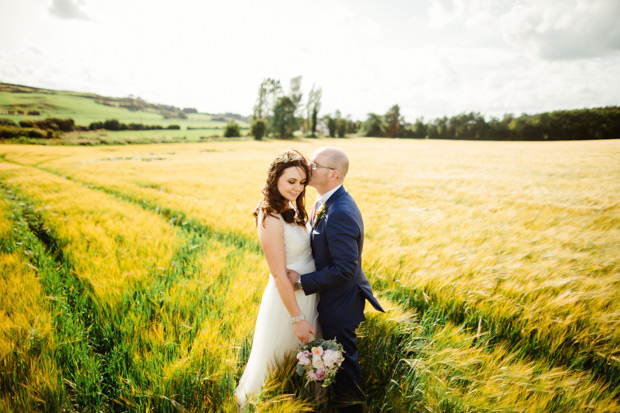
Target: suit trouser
<point>348,387</point>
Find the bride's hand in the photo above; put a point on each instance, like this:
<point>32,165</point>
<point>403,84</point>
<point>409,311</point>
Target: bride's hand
<point>303,329</point>
<point>292,276</point>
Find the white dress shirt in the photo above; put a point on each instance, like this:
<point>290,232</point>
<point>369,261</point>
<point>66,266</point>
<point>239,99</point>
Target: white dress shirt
<point>323,198</point>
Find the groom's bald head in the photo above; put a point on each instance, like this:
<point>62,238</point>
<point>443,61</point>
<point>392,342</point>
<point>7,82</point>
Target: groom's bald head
<point>335,158</point>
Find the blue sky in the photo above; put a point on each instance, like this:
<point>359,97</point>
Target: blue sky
<point>433,58</point>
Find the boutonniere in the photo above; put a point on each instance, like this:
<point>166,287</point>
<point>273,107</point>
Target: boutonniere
<point>320,214</point>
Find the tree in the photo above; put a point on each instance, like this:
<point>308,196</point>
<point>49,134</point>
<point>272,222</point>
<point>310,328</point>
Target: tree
<point>261,101</point>
<point>374,125</point>
<point>295,92</point>
<point>331,125</point>
<point>7,122</point>
<point>284,122</point>
<point>338,125</point>
<point>269,91</point>
<point>112,124</point>
<point>258,128</point>
<point>393,120</point>
<point>419,130</point>
<point>341,127</point>
<point>315,115</point>
<point>441,128</point>
<point>312,108</point>
<point>232,130</point>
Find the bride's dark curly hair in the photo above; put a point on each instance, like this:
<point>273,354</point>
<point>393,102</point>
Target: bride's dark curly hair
<point>273,202</point>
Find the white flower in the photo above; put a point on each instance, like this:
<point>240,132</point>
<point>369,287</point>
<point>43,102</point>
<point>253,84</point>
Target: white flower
<point>330,358</point>
<point>317,362</point>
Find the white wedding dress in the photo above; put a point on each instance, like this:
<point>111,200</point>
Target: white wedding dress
<point>274,338</point>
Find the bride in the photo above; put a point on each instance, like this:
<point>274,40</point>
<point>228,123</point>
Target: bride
<point>285,317</point>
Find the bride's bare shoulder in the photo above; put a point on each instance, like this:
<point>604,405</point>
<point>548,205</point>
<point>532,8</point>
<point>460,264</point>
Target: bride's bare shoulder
<point>271,222</point>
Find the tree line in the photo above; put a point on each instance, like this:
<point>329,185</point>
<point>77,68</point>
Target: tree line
<point>280,114</point>
<point>54,127</point>
<point>596,123</point>
<point>115,125</point>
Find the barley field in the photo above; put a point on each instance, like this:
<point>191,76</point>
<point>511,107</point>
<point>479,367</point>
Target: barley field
<point>132,275</point>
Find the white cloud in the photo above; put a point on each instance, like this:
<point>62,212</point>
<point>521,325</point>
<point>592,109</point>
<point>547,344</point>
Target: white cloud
<point>68,9</point>
<point>564,29</point>
<point>471,14</point>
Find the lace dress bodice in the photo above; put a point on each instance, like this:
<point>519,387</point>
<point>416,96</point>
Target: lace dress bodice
<point>297,245</point>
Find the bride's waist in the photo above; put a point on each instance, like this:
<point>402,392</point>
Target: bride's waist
<point>306,264</point>
<point>303,266</point>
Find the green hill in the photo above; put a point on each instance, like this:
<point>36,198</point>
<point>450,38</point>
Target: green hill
<point>25,103</point>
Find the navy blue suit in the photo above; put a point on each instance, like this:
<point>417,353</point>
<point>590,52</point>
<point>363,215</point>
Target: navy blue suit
<point>337,241</point>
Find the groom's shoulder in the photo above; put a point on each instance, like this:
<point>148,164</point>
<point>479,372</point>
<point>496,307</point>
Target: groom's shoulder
<point>346,204</point>
<point>348,199</point>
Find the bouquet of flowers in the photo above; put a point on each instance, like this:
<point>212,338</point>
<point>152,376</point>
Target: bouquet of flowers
<point>319,361</point>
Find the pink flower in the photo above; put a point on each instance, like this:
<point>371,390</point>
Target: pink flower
<point>304,357</point>
<point>312,376</point>
<point>320,374</point>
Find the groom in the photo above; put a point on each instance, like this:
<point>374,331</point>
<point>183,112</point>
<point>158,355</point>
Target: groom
<point>337,240</point>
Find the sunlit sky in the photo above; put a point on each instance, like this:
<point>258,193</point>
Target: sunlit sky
<point>433,58</point>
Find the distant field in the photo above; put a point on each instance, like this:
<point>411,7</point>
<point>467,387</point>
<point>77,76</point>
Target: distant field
<point>141,274</point>
<point>215,131</point>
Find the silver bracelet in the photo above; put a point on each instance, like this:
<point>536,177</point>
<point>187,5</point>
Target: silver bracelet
<point>300,317</point>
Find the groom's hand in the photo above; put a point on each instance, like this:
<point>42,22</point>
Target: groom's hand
<point>303,329</point>
<point>292,276</point>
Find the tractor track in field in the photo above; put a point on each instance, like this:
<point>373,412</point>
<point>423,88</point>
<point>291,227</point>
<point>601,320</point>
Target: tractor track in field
<point>92,353</point>
<point>82,349</point>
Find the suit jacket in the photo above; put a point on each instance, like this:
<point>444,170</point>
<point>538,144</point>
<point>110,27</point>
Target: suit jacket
<point>337,242</point>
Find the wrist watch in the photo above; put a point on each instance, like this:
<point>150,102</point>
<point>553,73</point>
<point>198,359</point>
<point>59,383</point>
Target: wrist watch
<point>298,285</point>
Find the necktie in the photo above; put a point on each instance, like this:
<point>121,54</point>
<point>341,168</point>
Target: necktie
<point>315,208</point>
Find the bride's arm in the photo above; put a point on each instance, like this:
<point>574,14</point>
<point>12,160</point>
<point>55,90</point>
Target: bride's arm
<point>271,236</point>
